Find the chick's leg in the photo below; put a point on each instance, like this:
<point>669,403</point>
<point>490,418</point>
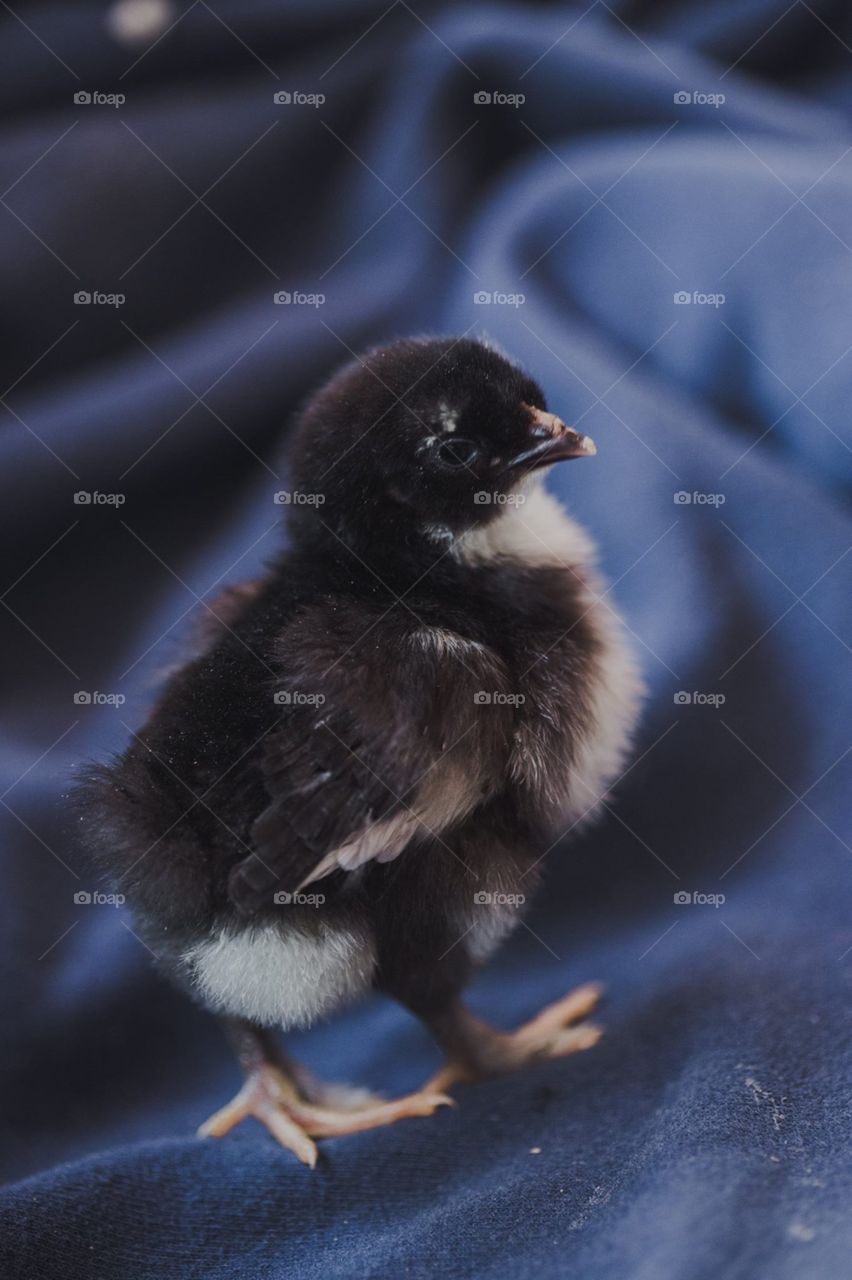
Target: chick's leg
<point>476,1050</point>
<point>295,1107</point>
<point>268,1093</point>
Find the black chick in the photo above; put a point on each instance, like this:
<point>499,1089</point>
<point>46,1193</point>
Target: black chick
<point>354,782</point>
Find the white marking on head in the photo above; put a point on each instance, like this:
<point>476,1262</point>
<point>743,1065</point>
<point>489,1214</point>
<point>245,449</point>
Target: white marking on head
<point>448,418</point>
<point>439,533</point>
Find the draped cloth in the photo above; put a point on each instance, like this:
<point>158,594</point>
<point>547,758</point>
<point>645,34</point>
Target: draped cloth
<point>646,204</point>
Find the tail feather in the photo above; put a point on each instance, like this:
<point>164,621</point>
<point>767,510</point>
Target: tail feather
<point>140,838</point>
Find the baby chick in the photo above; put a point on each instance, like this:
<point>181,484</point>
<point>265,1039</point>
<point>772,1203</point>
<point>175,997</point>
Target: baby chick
<point>355,780</point>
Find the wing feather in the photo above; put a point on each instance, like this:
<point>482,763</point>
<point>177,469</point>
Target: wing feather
<point>381,739</point>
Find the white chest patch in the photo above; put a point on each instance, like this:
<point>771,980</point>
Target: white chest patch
<point>538,532</point>
<point>282,975</point>
<point>533,528</point>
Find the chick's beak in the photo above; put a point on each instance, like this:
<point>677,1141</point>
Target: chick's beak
<point>551,441</point>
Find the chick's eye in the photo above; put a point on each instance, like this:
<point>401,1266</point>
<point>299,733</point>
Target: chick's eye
<point>457,452</point>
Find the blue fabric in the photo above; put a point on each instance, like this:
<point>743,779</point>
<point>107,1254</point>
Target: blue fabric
<point>709,1133</point>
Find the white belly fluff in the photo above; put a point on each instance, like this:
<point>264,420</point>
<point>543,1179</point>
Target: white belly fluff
<point>283,975</point>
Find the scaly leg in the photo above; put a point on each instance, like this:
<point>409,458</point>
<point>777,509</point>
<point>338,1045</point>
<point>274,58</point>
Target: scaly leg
<point>294,1107</point>
<point>476,1051</point>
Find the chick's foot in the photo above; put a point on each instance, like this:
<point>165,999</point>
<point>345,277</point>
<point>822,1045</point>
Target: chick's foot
<point>296,1108</point>
<point>477,1051</point>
